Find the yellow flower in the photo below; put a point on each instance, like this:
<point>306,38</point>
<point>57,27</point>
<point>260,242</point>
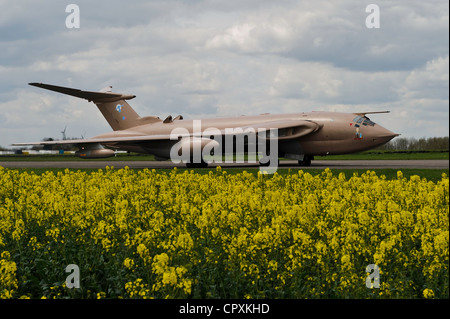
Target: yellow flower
<point>428,293</point>
<point>101,295</point>
<point>8,280</point>
<point>169,277</point>
<point>182,234</point>
<point>128,263</point>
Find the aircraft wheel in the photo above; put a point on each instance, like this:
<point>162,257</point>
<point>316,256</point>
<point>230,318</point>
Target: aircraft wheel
<point>264,164</point>
<point>268,163</point>
<point>305,162</point>
<point>202,164</point>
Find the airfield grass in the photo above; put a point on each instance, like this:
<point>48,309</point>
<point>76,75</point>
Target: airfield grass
<point>433,175</point>
<point>433,155</point>
<point>429,174</point>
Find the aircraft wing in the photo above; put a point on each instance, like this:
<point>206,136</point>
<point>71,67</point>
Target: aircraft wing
<point>102,140</point>
<point>287,129</point>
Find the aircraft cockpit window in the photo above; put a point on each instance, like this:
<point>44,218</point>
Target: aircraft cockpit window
<point>367,121</point>
<point>363,120</point>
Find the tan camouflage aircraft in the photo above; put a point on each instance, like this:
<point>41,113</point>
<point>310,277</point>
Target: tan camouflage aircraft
<point>298,136</point>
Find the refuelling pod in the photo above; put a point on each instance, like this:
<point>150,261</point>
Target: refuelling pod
<point>94,151</point>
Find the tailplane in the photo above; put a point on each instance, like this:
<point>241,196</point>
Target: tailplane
<point>119,114</point>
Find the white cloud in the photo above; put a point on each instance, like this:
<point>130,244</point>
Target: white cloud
<point>431,81</point>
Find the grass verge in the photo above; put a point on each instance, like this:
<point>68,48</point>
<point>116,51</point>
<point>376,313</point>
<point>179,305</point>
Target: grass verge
<point>430,174</point>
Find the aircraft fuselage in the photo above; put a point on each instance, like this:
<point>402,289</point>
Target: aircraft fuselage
<point>339,133</point>
<point>297,136</point>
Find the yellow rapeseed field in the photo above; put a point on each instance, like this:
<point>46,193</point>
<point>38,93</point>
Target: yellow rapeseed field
<point>143,234</point>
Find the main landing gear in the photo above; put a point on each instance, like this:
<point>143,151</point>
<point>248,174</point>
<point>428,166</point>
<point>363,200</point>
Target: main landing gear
<point>306,160</point>
<point>191,164</point>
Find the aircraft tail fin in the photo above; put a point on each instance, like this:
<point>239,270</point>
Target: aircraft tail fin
<point>119,114</point>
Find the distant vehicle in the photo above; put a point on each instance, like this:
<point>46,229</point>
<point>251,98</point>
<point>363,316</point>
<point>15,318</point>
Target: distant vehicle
<point>300,136</point>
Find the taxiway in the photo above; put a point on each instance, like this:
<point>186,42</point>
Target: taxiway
<point>337,164</point>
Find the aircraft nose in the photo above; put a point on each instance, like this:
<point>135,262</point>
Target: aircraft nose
<point>381,135</point>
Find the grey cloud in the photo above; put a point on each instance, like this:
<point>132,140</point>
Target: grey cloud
<point>335,32</point>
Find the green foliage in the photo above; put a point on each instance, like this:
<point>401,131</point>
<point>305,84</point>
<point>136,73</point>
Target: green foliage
<point>146,234</point>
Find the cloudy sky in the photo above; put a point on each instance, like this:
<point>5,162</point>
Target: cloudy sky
<point>211,58</point>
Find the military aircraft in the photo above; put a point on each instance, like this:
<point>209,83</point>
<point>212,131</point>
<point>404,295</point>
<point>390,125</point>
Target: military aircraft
<point>299,136</point>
